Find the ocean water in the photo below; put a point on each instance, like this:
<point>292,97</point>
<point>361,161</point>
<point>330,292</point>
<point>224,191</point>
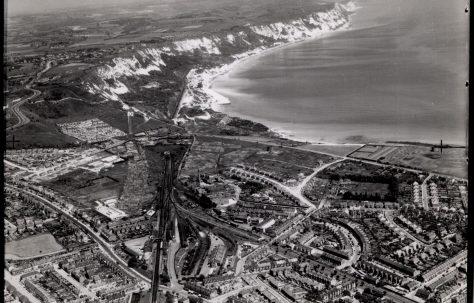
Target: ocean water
<point>398,73</point>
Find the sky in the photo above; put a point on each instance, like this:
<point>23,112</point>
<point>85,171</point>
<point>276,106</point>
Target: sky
<point>20,7</point>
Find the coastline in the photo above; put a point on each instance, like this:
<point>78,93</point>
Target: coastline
<point>241,58</point>
<point>199,85</point>
<point>200,93</point>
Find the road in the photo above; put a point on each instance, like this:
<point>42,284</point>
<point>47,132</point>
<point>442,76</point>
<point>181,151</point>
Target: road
<point>389,216</point>
<point>15,282</point>
<point>296,220</point>
<point>448,270</point>
<point>106,248</point>
<point>224,297</point>
<point>84,290</point>
<point>71,164</point>
<point>424,193</point>
<point>291,190</point>
<point>15,109</point>
<point>355,247</point>
<point>266,141</point>
<point>15,106</point>
<point>60,100</point>
<point>9,163</point>
<point>296,192</point>
<point>273,291</point>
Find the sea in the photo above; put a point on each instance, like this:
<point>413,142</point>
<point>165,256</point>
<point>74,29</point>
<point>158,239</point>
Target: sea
<point>397,74</point>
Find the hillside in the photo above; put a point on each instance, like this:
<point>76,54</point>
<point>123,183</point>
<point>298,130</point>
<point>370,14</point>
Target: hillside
<point>170,72</point>
<point>166,64</point>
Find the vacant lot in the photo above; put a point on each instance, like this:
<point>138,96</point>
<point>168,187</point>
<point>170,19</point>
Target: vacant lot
<point>33,246</point>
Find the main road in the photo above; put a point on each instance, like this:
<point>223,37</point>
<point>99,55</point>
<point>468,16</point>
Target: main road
<point>20,288</point>
<point>106,248</point>
<point>296,191</point>
<point>15,107</point>
<point>273,291</point>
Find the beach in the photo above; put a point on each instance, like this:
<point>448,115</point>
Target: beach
<point>382,78</point>
<point>199,90</point>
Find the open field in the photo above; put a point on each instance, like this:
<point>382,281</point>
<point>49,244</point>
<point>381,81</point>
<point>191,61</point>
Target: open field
<point>43,130</point>
<point>86,187</point>
<point>101,26</point>
<point>452,161</point>
<point>213,154</point>
<point>36,134</point>
<point>336,149</point>
<point>33,246</point>
<point>67,69</point>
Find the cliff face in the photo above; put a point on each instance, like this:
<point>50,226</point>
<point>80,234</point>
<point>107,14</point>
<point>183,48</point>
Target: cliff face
<point>108,80</point>
<point>307,26</point>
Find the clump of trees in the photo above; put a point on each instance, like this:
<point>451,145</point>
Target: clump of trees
<point>205,202</point>
<point>251,187</point>
<point>369,197</point>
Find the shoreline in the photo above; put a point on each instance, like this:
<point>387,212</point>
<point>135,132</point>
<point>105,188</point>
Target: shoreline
<point>241,58</point>
<point>199,93</point>
<point>200,86</point>
<point>214,99</point>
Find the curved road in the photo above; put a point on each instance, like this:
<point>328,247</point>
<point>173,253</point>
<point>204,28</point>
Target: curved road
<point>15,107</point>
<point>296,191</point>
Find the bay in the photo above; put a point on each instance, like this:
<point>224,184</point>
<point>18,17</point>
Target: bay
<point>398,74</point>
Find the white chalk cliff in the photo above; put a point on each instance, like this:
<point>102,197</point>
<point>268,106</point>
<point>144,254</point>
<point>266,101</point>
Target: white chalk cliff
<point>108,84</point>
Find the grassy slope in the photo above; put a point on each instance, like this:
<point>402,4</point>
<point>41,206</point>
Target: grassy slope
<point>180,19</point>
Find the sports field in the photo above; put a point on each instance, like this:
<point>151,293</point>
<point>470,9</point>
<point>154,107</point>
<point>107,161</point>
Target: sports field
<point>30,247</point>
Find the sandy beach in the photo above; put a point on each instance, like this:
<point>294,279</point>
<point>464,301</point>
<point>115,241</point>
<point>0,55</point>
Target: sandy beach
<point>367,84</point>
<point>200,93</point>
